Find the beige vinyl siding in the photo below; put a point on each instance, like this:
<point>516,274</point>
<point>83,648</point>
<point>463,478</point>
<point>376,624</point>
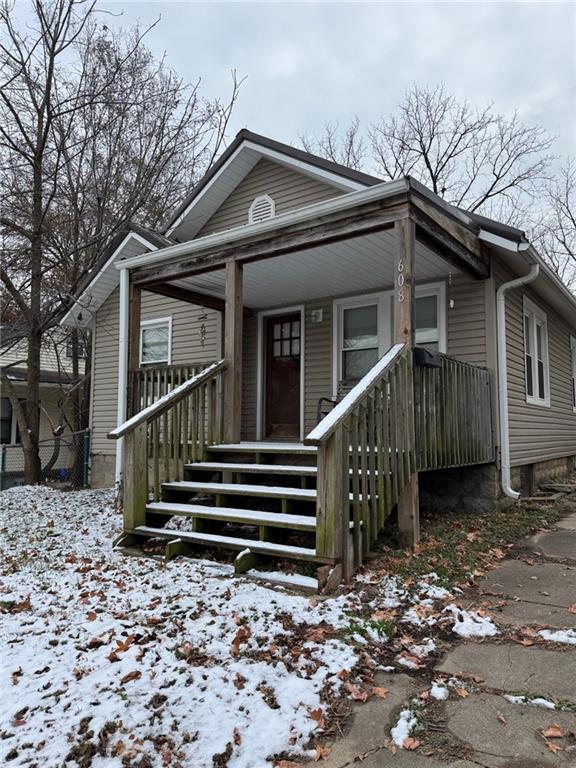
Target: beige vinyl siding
<point>318,352</point>
<point>289,189</point>
<point>538,433</point>
<point>249,377</point>
<point>466,320</point>
<point>186,348</point>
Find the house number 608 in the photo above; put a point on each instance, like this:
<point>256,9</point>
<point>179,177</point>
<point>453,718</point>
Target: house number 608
<point>400,280</point>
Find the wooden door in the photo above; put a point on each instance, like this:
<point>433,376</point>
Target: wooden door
<point>282,376</point>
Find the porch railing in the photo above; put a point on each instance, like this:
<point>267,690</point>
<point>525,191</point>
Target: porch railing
<point>453,415</point>
<point>166,434</point>
<point>151,382</point>
<point>366,456</point>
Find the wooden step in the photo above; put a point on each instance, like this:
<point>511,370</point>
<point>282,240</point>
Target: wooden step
<point>242,489</point>
<point>231,542</point>
<point>231,515</point>
<point>264,447</point>
<point>264,469</point>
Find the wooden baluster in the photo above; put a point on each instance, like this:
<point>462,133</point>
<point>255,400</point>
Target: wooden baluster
<point>194,425</point>
<point>385,443</point>
<point>367,527</point>
<point>371,484</point>
<point>202,424</point>
<point>185,430</point>
<point>156,458</point>
<point>393,438</point>
<point>380,448</point>
<point>356,504</point>
<point>210,412</point>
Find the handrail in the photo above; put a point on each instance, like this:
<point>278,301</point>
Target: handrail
<point>169,399</point>
<point>342,411</point>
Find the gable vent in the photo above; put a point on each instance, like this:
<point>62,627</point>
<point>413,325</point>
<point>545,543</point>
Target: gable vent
<point>263,207</point>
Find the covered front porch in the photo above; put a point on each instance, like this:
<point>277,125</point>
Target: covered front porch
<point>317,392</point>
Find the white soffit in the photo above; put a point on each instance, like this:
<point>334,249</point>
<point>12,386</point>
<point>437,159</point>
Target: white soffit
<point>211,197</point>
<point>345,268</point>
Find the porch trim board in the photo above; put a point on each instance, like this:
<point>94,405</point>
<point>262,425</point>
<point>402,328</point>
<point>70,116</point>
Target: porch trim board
<point>261,366</point>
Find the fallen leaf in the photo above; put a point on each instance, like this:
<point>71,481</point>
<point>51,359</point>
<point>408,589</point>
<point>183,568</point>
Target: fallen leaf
<point>90,616</point>
<point>380,692</point>
<point>318,716</point>
<point>322,753</point>
<point>134,675</point>
<point>462,692</point>
<point>553,732</point>
<point>241,636</point>
<point>356,693</point>
<point>554,748</point>
<point>15,723</point>
<point>471,536</point>
<point>572,608</point>
<point>502,719</point>
<point>410,744</point>
<point>237,737</point>
<point>123,645</point>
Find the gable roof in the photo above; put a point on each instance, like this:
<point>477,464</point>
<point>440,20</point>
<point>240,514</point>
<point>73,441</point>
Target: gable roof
<point>233,165</point>
<point>131,240</point>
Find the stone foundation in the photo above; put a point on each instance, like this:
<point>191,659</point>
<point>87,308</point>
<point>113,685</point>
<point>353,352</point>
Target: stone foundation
<point>527,477</point>
<point>470,489</point>
<point>102,470</point>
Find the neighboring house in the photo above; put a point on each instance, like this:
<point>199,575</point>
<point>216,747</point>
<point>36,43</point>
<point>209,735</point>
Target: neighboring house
<point>297,273</point>
<point>55,380</point>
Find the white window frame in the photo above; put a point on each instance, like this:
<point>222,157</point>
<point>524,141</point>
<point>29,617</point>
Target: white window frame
<point>536,317</point>
<point>157,321</point>
<point>573,370</point>
<point>385,303</point>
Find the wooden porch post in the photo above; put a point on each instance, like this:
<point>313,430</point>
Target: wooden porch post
<point>404,332</point>
<point>233,317</point>
<point>133,393</point>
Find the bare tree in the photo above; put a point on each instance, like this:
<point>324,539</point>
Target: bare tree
<point>555,228</point>
<point>476,159</point>
<point>348,149</point>
<point>93,132</point>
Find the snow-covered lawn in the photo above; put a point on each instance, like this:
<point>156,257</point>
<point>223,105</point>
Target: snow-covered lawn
<point>117,661</point>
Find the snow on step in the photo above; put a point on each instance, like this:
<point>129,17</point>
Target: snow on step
<point>255,447</point>
<point>231,542</point>
<point>248,516</point>
<point>289,580</point>
<point>272,469</point>
<point>242,489</point>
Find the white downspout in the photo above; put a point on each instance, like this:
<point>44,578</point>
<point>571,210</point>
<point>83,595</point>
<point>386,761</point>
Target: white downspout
<point>503,376</point>
<point>122,368</point>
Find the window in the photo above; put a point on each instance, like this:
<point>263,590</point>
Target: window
<point>155,341</point>
<point>286,339</point>
<point>81,349</point>
<point>573,361</point>
<point>360,348</point>
<point>537,378</point>
<point>5,421</point>
<point>363,329</point>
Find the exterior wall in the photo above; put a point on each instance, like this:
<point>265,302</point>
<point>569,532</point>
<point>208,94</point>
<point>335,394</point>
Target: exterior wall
<point>462,489</point>
<point>289,189</point>
<point>52,355</point>
<point>538,433</point>
<point>465,321</point>
<point>186,348</point>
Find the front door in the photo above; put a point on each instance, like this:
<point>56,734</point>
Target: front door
<point>282,371</point>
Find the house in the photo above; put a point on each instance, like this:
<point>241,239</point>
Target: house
<point>56,378</point>
<point>306,348</point>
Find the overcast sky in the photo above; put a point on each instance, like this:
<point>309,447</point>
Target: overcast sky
<point>306,63</point>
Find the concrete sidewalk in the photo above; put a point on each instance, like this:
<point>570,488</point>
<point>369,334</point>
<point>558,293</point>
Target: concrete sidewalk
<point>481,728</point>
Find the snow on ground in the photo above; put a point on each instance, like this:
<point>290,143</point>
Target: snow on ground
<point>115,661</point>
<point>404,727</point>
<point>559,636</point>
<point>537,702</point>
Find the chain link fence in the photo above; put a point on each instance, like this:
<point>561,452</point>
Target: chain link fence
<point>64,459</point>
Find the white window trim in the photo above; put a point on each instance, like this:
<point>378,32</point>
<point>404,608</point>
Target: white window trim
<point>261,366</point>
<point>533,312</point>
<point>573,370</point>
<point>384,300</point>
<point>150,323</point>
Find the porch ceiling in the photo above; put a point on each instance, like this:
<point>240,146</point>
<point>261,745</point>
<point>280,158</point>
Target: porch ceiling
<point>352,266</point>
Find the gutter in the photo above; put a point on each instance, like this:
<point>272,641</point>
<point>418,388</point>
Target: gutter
<point>502,363</point>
